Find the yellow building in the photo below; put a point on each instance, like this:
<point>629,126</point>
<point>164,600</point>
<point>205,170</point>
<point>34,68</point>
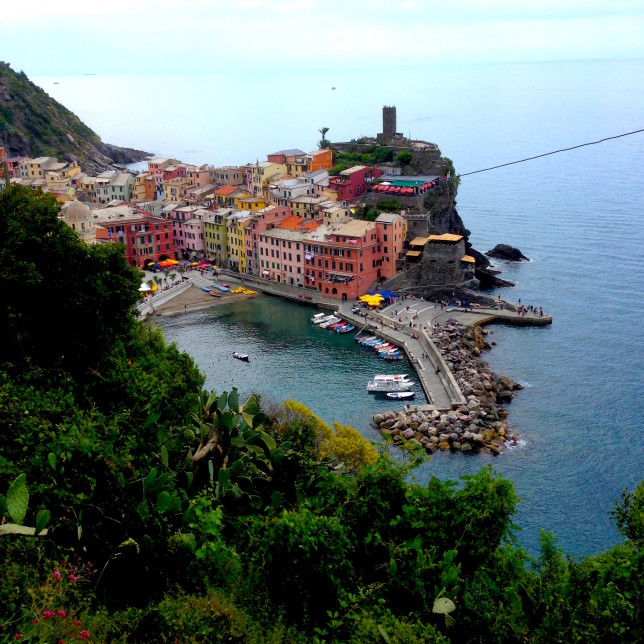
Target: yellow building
<point>252,204</point>
<point>216,235</point>
<point>174,189</point>
<point>237,240</point>
<point>261,172</point>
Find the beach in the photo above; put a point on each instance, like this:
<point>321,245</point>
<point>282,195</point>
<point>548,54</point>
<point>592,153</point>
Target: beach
<point>195,299</point>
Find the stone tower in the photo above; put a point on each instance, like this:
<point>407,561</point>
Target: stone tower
<point>388,122</point>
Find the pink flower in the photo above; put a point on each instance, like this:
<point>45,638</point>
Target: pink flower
<point>56,575</point>
<point>18,636</point>
<point>61,641</point>
<point>84,635</point>
<point>72,578</point>
<point>77,622</point>
<point>48,614</point>
<point>61,613</point>
<point>35,620</point>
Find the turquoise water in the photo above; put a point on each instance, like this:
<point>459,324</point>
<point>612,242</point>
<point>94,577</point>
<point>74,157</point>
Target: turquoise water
<point>577,215</point>
<point>289,358</point>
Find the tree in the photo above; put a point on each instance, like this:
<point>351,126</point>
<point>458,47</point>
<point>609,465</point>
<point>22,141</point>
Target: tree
<point>63,301</point>
<point>323,143</point>
<point>404,158</point>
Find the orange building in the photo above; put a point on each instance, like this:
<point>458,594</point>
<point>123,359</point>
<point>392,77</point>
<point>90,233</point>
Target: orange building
<point>320,160</point>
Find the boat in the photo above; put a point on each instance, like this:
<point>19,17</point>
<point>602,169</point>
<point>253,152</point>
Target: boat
<point>375,386</point>
<point>214,293</point>
<point>335,325</point>
<point>393,356</point>
<point>400,395</point>
<point>241,356</point>
<point>206,288</point>
<point>318,317</point>
<point>326,318</point>
<point>327,323</point>
<point>391,377</point>
<point>347,328</point>
<point>220,287</point>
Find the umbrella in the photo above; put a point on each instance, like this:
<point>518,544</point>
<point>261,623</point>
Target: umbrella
<point>195,263</point>
<point>144,287</point>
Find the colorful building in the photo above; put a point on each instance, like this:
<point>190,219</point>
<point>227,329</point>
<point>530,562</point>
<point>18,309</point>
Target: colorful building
<point>262,220</point>
<point>320,160</point>
<point>216,235</point>
<point>352,183</point>
<point>263,173</point>
<point>343,260</point>
<point>236,239</point>
<point>392,232</point>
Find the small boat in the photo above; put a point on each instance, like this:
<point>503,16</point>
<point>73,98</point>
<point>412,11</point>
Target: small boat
<point>206,288</point>
<point>241,356</point>
<point>400,395</point>
<point>220,287</point>
<point>327,323</point>
<point>393,356</point>
<point>326,318</point>
<point>391,377</point>
<point>214,293</point>
<point>318,317</point>
<point>347,328</point>
<point>335,325</point>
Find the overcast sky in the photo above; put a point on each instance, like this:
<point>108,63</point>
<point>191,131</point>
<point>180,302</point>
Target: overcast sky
<point>255,36</point>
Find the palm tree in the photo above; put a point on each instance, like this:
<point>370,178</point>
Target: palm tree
<point>181,270</point>
<point>172,276</point>
<point>323,143</point>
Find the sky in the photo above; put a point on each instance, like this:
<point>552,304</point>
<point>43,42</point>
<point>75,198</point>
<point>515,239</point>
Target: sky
<point>168,37</point>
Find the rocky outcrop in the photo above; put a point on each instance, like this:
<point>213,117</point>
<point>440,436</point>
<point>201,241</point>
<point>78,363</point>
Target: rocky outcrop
<point>480,423</point>
<point>33,124</point>
<point>508,253</point>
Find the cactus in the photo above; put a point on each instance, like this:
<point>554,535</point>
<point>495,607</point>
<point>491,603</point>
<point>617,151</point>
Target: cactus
<point>18,499</point>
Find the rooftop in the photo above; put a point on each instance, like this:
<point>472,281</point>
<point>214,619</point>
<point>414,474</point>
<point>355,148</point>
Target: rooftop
<point>447,237</point>
<point>289,153</point>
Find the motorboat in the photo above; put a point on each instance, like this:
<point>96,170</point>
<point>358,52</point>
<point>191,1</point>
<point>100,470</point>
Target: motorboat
<point>222,288</point>
<point>318,317</point>
<point>326,318</point>
<point>400,395</point>
<point>375,386</point>
<point>335,325</point>
<point>391,377</point>
<point>241,356</point>
<point>214,293</point>
<point>206,289</point>
<point>327,323</point>
<point>347,328</point>
<point>393,356</point>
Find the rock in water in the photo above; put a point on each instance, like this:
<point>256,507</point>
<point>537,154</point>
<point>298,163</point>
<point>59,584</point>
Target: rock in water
<point>508,253</point>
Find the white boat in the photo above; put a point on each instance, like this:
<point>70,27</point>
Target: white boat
<point>400,395</point>
<point>381,386</point>
<point>241,356</point>
<point>391,377</point>
<point>318,317</point>
<point>324,319</point>
<point>328,322</point>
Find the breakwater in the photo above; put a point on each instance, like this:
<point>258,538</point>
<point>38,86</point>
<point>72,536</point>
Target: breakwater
<point>480,422</point>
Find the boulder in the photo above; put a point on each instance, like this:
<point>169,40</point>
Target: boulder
<point>408,433</point>
<point>378,418</point>
<point>466,447</point>
<point>507,252</point>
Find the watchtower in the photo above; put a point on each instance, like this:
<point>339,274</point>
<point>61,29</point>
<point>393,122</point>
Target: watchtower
<point>388,122</point>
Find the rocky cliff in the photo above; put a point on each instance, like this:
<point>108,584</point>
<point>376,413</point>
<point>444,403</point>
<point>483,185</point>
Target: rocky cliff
<point>33,124</point>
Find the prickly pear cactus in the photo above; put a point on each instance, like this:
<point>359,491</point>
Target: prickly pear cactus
<point>18,499</point>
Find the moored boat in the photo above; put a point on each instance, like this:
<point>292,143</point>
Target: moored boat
<point>347,328</point>
<point>400,395</point>
<point>241,356</point>
<point>375,386</point>
<point>318,317</point>
<point>327,323</point>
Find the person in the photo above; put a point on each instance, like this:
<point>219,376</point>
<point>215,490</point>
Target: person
<point>437,370</point>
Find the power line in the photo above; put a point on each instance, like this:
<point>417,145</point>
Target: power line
<point>545,154</point>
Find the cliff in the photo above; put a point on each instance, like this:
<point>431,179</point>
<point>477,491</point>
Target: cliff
<point>33,124</point>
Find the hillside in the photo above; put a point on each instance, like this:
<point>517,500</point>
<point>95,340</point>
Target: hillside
<point>33,124</point>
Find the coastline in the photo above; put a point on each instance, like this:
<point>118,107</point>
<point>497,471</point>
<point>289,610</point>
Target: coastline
<point>194,299</point>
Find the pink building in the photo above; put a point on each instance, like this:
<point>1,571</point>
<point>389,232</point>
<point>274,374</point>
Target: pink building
<point>391,230</point>
<point>199,177</point>
<point>262,220</point>
<point>343,260</point>
<point>174,172</point>
<point>352,183</point>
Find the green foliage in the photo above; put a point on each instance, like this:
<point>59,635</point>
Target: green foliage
<point>404,157</point>
<point>337,169</point>
<point>278,527</point>
<point>379,154</point>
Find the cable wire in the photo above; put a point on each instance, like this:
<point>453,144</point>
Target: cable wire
<point>545,154</point>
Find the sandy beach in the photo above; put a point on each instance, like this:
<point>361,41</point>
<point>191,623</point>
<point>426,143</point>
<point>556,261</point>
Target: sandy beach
<point>194,299</point>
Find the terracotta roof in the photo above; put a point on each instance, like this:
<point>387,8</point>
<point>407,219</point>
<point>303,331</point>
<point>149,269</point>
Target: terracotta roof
<point>225,191</point>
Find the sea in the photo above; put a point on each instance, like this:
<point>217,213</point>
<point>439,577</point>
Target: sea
<point>578,215</point>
